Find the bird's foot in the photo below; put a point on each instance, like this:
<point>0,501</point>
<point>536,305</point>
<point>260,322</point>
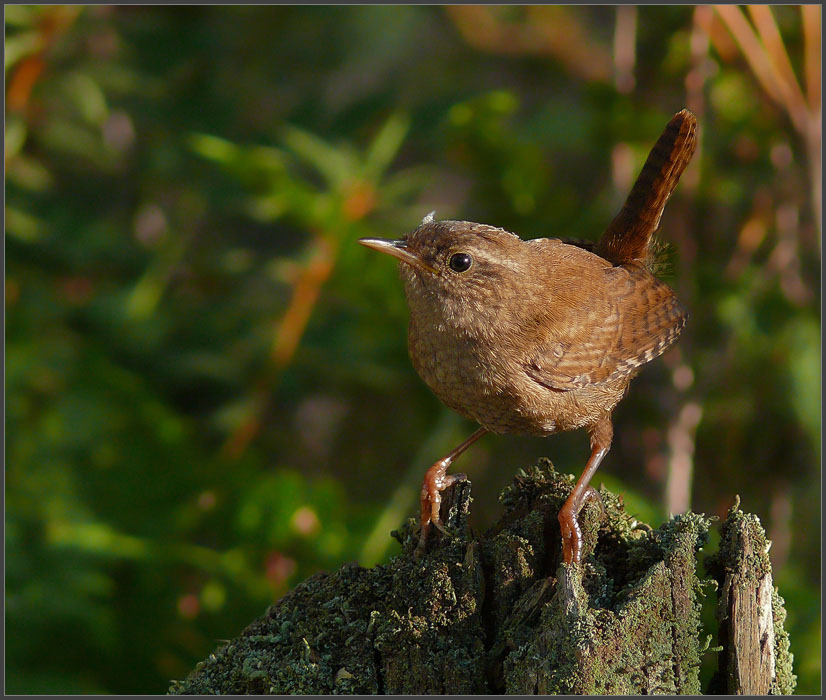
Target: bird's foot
<point>435,481</point>
<point>571,535</point>
<point>568,523</point>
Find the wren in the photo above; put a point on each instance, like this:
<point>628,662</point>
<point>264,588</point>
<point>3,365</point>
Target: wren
<point>541,336</point>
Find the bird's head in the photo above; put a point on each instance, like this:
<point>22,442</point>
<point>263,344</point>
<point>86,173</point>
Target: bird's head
<point>459,267</point>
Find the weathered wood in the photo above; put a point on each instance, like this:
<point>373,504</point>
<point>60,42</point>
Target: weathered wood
<point>498,613</point>
<point>755,658</point>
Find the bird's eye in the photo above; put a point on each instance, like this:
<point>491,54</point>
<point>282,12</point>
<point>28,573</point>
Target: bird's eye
<point>460,262</point>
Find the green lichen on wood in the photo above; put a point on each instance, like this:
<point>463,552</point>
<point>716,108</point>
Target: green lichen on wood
<point>313,641</point>
<point>625,621</point>
<point>498,613</point>
<point>365,631</point>
<point>785,680</point>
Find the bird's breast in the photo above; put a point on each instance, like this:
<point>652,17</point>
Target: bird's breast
<point>489,385</point>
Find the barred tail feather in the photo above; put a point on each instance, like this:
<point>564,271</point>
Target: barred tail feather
<point>628,237</point>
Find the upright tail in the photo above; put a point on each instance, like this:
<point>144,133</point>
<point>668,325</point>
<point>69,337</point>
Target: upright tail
<point>628,237</point>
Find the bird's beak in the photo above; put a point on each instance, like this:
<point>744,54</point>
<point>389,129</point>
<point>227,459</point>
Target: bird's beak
<point>398,249</point>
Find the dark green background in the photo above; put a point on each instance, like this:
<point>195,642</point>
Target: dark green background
<point>207,389</point>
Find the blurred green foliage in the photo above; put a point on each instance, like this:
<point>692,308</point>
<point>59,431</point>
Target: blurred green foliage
<point>207,391</point>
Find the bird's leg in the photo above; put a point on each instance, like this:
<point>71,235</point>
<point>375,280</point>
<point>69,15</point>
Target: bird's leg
<point>601,434</point>
<point>437,480</point>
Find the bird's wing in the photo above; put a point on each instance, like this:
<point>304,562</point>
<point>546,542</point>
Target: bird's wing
<point>608,335</point>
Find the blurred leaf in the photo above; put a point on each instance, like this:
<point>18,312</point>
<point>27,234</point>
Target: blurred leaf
<point>23,226</point>
<point>19,15</point>
<point>385,146</point>
<point>15,136</point>
<point>86,96</point>
<point>334,164</point>
<point>20,45</point>
<point>804,369</point>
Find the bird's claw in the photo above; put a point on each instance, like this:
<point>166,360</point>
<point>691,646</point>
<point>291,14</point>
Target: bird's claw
<point>440,526</point>
<point>431,507</point>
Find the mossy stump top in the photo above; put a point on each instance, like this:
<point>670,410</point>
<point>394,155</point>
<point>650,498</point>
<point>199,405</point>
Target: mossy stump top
<point>497,613</point>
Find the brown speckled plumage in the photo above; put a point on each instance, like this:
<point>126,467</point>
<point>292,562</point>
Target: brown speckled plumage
<point>554,358</point>
<point>541,336</point>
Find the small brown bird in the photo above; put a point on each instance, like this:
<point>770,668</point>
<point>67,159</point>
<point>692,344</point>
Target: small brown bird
<point>540,336</point>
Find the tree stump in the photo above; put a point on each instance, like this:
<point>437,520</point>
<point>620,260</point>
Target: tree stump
<point>755,658</point>
<point>501,613</point>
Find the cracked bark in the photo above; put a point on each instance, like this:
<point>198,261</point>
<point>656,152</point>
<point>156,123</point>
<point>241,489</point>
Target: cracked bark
<point>498,613</point>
